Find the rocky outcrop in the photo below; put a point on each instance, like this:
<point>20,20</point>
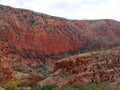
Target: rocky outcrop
<point>39,36</point>
<point>89,67</point>
<point>89,61</point>
<point>5,63</point>
<point>97,76</point>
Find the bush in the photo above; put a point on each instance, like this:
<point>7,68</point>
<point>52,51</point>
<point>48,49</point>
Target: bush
<point>12,85</point>
<point>118,87</point>
<point>80,86</point>
<point>67,87</point>
<point>48,87</point>
<point>35,86</point>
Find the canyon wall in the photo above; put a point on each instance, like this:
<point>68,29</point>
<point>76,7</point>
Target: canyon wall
<point>40,36</point>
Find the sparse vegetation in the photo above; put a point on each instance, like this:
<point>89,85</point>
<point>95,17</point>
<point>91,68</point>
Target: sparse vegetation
<point>81,86</point>
<point>11,85</point>
<point>18,85</point>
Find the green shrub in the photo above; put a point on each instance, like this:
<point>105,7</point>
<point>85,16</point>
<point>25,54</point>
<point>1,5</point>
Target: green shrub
<point>12,85</point>
<point>35,85</point>
<point>48,87</point>
<point>67,87</point>
<point>80,86</point>
<point>118,87</point>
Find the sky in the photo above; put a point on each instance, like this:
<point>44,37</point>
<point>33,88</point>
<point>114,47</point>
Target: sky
<point>71,9</point>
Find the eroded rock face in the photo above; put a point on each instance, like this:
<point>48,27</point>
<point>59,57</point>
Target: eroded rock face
<point>34,36</point>
<point>89,61</point>
<point>89,67</point>
<point>39,36</point>
<point>97,76</point>
<point>6,70</point>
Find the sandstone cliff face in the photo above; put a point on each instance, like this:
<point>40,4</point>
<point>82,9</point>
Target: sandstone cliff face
<point>6,70</point>
<point>39,36</point>
<point>89,67</point>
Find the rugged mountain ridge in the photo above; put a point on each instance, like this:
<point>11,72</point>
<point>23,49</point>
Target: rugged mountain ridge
<point>35,38</point>
<point>39,36</point>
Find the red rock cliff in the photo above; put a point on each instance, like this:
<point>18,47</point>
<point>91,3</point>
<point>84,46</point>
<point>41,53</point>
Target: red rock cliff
<point>89,67</point>
<point>36,35</point>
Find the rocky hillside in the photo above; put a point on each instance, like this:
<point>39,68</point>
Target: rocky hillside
<point>39,36</point>
<point>89,67</point>
<point>6,70</point>
<point>36,44</point>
